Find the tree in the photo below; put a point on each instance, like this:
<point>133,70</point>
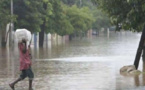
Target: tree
<point>80,18</point>
<point>79,3</point>
<point>54,20</point>
<point>90,11</point>
<point>5,18</point>
<point>28,14</point>
<point>5,15</point>
<point>58,21</point>
<point>101,19</point>
<point>69,2</point>
<point>128,13</point>
<point>46,10</point>
<point>66,27</point>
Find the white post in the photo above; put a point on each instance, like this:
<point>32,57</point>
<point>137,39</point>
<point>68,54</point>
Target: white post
<point>12,7</point>
<point>80,3</point>
<point>108,32</point>
<point>11,37</point>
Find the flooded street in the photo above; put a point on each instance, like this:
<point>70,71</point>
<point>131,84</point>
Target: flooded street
<point>81,64</point>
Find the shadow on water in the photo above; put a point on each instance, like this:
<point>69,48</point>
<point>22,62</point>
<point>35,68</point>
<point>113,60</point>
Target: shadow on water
<point>86,64</point>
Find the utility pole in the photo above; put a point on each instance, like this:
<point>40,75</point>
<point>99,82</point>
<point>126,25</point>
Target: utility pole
<point>80,3</point>
<point>11,37</point>
<point>11,7</point>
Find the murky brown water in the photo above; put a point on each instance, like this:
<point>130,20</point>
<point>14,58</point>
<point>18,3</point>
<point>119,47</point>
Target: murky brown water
<point>81,64</point>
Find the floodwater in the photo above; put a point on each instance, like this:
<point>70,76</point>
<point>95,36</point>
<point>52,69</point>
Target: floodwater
<point>81,64</point>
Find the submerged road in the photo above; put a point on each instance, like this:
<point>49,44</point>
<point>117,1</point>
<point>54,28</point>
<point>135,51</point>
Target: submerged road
<point>81,64</point>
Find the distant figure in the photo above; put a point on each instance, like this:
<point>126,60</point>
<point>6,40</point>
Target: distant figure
<point>25,64</point>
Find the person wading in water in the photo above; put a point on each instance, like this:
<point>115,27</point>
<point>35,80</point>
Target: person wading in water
<point>25,64</point>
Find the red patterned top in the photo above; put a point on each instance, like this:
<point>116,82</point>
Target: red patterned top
<point>25,61</point>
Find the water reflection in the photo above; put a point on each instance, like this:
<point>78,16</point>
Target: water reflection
<point>139,80</point>
<point>81,64</point>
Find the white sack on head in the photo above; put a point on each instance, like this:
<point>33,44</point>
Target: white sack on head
<point>23,34</point>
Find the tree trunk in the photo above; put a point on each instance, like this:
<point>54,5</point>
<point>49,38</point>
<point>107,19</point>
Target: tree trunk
<point>41,36</point>
<point>70,37</point>
<point>140,47</point>
<point>3,42</point>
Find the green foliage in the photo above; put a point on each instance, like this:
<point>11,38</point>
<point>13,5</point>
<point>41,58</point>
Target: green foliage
<point>46,11</point>
<point>97,19</point>
<point>52,16</point>
<point>28,14</point>
<point>129,13</point>
<point>79,3</point>
<point>58,22</point>
<point>5,16</point>
<point>69,19</point>
<point>80,18</point>
<point>101,19</point>
<point>69,2</point>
